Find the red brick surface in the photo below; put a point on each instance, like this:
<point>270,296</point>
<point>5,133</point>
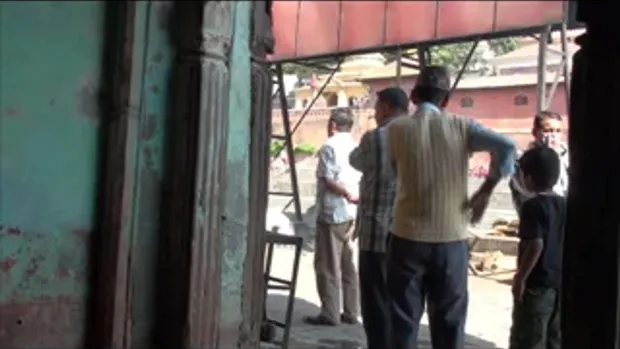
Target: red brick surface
<point>492,107</point>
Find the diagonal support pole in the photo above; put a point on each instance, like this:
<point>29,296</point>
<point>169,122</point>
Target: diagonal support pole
<point>566,68</point>
<point>399,66</point>
<point>312,102</point>
<point>465,64</point>
<point>288,142</point>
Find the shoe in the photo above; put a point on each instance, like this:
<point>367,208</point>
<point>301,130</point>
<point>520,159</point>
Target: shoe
<point>349,320</point>
<point>319,320</point>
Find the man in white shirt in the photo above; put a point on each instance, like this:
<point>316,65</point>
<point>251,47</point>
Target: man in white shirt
<point>336,202</point>
<point>547,131</point>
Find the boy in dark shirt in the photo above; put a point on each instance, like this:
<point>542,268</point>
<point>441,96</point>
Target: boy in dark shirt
<point>536,285</point>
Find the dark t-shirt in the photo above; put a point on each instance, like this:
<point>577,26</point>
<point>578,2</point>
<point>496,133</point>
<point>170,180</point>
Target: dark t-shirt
<point>542,217</point>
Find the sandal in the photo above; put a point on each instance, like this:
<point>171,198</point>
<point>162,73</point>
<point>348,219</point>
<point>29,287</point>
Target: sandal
<point>348,319</point>
<point>319,320</point>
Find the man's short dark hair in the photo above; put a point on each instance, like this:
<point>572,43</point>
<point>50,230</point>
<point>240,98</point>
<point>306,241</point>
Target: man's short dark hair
<point>542,165</point>
<point>545,114</point>
<point>394,97</point>
<point>433,84</point>
<point>342,119</point>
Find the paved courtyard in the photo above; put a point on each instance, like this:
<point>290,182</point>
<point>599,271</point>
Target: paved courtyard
<point>487,327</point>
<point>490,297</point>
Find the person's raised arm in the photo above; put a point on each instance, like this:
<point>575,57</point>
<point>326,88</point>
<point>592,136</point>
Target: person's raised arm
<point>503,156</point>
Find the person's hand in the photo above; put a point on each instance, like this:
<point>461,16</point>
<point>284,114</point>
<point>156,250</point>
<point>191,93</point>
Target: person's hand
<point>518,288</point>
<point>477,205</point>
<point>352,199</point>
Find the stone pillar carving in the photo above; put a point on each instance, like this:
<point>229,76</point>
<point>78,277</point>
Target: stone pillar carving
<point>212,128</point>
<point>190,263</point>
<point>262,43</point>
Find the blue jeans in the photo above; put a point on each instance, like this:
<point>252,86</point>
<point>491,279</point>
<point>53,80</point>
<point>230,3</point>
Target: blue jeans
<point>431,272</point>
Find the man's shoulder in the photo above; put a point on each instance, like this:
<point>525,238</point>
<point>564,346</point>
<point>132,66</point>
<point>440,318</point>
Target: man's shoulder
<point>399,121</point>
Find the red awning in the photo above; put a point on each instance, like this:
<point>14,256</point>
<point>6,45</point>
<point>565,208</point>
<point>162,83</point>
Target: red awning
<point>305,29</point>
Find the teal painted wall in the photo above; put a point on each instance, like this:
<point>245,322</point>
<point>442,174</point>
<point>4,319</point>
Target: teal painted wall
<point>237,171</point>
<point>50,64</point>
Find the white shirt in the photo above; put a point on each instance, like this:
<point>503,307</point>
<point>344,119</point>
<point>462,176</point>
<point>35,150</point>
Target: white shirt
<point>334,165</point>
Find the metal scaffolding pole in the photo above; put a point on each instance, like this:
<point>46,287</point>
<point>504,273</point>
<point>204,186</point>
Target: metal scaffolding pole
<point>287,137</point>
<point>566,68</point>
<point>546,93</point>
<point>288,144</point>
<point>424,57</point>
<point>399,65</point>
<point>543,41</point>
<point>465,64</point>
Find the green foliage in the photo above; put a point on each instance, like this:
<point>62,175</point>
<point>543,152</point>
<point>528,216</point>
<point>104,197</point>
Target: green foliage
<point>305,72</point>
<point>301,71</point>
<point>305,148</point>
<point>276,147</point>
<point>503,45</point>
<point>453,55</point>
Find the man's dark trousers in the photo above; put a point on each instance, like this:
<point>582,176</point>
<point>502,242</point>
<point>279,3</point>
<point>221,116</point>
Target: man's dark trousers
<point>437,273</point>
<point>374,298</point>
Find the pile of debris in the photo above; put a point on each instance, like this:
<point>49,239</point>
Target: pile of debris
<point>503,227</point>
<point>486,261</point>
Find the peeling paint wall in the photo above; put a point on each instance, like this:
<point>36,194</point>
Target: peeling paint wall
<point>51,56</point>
<point>50,66</point>
<point>236,210</point>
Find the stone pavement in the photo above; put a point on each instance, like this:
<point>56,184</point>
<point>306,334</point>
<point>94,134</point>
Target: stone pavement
<point>490,299</point>
<point>488,322</point>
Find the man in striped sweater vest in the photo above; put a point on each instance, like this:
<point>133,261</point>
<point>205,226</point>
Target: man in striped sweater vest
<point>429,256</point>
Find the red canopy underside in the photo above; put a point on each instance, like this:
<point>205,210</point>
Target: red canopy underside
<point>306,29</point>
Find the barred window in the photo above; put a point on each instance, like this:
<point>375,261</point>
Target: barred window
<point>467,102</point>
<point>521,100</point>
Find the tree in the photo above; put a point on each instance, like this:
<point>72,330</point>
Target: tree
<point>454,55</point>
<point>314,67</point>
<point>504,45</point>
<point>303,72</point>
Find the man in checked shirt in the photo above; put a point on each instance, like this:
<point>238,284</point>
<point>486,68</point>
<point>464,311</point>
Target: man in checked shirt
<point>374,216</point>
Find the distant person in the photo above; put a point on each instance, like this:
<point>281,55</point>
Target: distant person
<point>374,216</point>
<point>536,284</point>
<point>336,201</point>
<point>429,254</point>
<point>547,130</point>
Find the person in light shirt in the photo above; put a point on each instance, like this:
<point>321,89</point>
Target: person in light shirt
<point>547,130</point>
<point>336,202</point>
<point>428,257</point>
